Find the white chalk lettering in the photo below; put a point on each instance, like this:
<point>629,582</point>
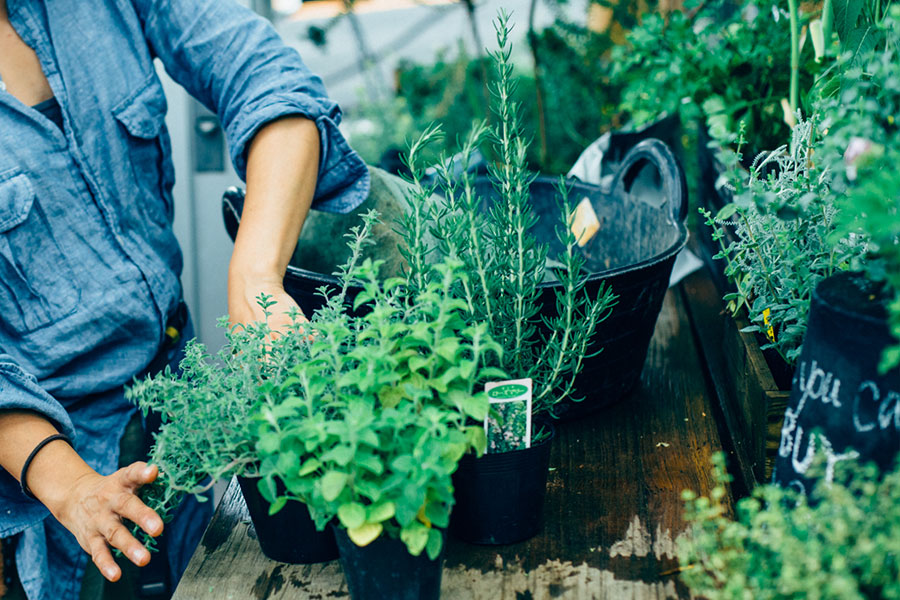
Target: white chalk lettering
<point>802,466</point>
<point>889,411</point>
<point>888,408</point>
<point>866,386</point>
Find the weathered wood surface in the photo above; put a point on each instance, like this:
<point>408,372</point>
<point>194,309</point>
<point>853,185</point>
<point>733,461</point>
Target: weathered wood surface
<point>751,401</point>
<point>613,508</point>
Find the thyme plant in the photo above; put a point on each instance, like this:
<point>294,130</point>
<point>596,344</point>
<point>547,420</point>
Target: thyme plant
<point>207,407</point>
<point>503,262</point>
<point>369,426</point>
<point>779,237</point>
<point>842,544</point>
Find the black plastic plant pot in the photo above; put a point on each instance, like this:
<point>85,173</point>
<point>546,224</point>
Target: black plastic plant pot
<point>500,497</point>
<point>385,569</point>
<point>290,535</point>
<point>841,407</point>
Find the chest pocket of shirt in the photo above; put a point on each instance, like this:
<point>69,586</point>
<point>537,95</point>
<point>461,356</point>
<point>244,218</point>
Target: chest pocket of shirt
<point>37,285</point>
<point>142,114</point>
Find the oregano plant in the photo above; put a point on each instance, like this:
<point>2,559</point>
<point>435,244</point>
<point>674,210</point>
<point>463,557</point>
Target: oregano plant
<point>369,427</point>
<point>840,543</point>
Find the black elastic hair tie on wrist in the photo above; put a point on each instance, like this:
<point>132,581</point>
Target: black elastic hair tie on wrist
<point>44,442</point>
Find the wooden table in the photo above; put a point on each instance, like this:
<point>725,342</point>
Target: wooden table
<point>612,516</point>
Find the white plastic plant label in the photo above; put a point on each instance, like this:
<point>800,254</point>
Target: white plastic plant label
<point>508,424</point>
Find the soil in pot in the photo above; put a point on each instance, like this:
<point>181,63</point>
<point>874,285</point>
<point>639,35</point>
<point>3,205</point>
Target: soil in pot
<point>385,569</point>
<point>840,407</point>
<point>500,497</point>
<point>288,536</point>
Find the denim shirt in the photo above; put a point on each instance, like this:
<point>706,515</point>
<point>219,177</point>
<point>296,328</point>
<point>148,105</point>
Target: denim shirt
<point>89,265</point>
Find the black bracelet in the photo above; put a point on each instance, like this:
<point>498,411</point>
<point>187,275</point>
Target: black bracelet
<point>24,486</point>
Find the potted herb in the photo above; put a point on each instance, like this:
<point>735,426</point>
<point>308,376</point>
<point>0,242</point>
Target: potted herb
<point>208,433</point>
<point>841,543</point>
<point>500,495</point>
<point>851,356</point>
<point>378,419</point>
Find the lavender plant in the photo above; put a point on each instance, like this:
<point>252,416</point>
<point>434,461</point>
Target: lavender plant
<point>503,263</point>
<point>779,238</point>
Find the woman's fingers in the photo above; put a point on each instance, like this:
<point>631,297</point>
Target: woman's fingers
<point>137,474</point>
<point>102,557</point>
<point>119,537</point>
<point>132,508</point>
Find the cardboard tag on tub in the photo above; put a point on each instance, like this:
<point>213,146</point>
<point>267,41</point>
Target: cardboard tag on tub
<point>508,424</point>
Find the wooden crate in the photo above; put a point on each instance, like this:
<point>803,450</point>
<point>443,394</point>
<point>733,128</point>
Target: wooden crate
<point>751,401</point>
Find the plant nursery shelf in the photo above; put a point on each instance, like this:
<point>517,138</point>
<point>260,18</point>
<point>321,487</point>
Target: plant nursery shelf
<point>612,517</point>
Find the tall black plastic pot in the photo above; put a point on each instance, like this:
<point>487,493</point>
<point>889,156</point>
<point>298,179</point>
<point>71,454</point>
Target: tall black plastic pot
<point>840,406</point>
<point>385,569</point>
<point>500,497</point>
<point>288,536</point>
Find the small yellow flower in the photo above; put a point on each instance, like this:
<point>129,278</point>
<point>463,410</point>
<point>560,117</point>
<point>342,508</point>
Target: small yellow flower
<point>770,331</point>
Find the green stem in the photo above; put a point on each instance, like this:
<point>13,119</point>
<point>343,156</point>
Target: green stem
<point>795,55</point>
<point>827,24</point>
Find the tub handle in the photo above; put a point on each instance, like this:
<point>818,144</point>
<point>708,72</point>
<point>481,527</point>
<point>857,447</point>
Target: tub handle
<point>232,206</point>
<point>674,186</point>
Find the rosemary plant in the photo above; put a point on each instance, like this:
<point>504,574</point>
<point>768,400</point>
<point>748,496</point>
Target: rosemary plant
<point>779,239</point>
<point>503,263</point>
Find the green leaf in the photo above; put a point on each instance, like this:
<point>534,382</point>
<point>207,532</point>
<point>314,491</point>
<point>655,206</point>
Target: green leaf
<point>403,463</point>
<point>370,462</point>
<point>352,515</point>
<point>381,512</point>
<point>333,483</point>
<point>365,534</point>
<point>341,455</point>
<point>277,505</point>
<point>415,536</point>
<point>390,396</point>
<point>308,467</point>
<point>435,542</point>
<point>727,212</point>
<point>476,406</point>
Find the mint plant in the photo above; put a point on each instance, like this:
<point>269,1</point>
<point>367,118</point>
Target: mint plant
<point>370,425</point>
<point>842,543</point>
<point>502,262</point>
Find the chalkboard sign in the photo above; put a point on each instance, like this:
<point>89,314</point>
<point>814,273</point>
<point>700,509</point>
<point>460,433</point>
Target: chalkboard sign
<point>840,407</point>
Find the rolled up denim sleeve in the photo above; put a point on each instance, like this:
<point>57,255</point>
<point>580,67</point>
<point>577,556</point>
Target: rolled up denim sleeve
<point>235,63</point>
<point>20,391</point>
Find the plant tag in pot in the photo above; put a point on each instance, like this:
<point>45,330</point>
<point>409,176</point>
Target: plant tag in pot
<point>508,424</point>
<point>584,222</point>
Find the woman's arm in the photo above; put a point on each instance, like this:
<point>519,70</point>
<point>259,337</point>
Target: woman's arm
<point>282,165</point>
<point>88,504</point>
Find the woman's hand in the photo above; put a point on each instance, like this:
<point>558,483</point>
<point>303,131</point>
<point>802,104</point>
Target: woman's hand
<point>88,504</point>
<point>243,305</point>
<point>93,509</point>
